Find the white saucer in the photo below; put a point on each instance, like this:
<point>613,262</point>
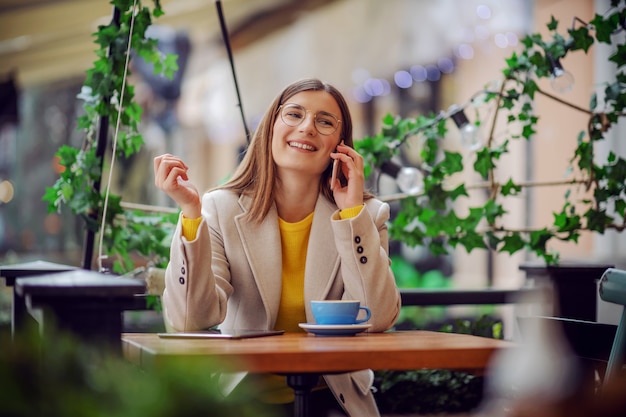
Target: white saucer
<point>334,329</point>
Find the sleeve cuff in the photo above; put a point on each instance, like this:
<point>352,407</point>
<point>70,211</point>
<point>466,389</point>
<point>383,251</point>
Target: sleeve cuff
<point>350,212</point>
<point>190,227</point>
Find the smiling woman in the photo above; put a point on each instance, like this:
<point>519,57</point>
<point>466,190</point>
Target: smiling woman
<point>332,244</point>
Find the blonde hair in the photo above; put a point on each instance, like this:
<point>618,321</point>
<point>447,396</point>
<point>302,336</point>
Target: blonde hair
<point>256,174</point>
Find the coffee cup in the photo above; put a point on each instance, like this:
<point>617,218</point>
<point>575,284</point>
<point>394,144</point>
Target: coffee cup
<point>338,311</point>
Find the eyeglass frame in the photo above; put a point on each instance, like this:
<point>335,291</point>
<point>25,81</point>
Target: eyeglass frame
<point>280,114</point>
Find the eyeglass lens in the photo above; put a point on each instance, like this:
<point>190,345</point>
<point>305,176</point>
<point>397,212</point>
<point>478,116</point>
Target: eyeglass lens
<point>294,115</point>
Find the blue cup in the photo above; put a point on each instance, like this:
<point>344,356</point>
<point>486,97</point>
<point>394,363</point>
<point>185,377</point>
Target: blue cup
<point>339,312</point>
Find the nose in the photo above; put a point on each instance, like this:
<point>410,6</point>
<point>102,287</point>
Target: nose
<point>308,123</point>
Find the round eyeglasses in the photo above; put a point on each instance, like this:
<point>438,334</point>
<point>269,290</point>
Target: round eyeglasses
<point>294,114</point>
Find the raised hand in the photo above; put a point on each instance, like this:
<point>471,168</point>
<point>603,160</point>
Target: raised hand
<point>352,167</point>
<point>170,176</point>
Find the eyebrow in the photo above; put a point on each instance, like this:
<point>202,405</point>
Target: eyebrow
<point>319,112</point>
<point>330,114</point>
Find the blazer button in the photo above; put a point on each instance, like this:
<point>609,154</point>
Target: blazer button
<point>363,259</point>
<point>357,239</point>
<point>182,270</point>
<point>182,280</point>
<point>359,249</point>
<point>343,400</point>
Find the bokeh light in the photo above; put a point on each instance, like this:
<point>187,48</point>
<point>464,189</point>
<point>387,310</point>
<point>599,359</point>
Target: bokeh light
<point>403,79</point>
<point>465,51</point>
<point>483,12</point>
<point>7,191</point>
<point>445,65</point>
<point>418,73</point>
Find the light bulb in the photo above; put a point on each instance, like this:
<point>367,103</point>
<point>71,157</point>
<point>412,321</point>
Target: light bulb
<point>410,180</point>
<point>470,133</point>
<point>561,80</point>
<point>470,137</point>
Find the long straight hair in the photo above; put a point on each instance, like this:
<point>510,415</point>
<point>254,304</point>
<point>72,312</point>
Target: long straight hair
<point>256,174</point>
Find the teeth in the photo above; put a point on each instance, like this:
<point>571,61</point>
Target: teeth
<point>301,146</point>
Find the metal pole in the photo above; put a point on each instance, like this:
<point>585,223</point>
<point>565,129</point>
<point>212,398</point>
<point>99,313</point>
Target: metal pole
<point>218,5</point>
<point>103,132</point>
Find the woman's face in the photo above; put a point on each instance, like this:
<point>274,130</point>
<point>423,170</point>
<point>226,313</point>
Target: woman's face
<point>302,149</point>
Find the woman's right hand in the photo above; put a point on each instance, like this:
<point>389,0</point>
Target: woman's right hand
<point>170,175</point>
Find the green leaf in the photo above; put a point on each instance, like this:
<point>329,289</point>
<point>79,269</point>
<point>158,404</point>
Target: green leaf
<point>530,88</point>
<point>539,239</point>
<point>452,163</point>
<point>484,162</point>
<point>472,240</point>
<point>527,41</point>
<point>620,207</point>
<point>581,39</point>
<point>510,188</point>
<point>512,243</point>
<point>597,220</point>
<point>552,25</point>
<point>619,56</point>
<point>565,223</point>
<point>170,65</point>
<point>528,131</point>
<point>603,29</point>
<point>458,192</point>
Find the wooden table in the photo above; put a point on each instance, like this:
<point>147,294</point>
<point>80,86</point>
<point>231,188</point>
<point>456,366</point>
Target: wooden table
<point>303,357</point>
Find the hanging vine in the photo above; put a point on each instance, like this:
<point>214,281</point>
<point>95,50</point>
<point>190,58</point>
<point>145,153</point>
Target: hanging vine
<point>77,188</point>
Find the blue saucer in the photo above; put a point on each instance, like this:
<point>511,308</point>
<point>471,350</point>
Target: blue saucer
<point>334,329</point>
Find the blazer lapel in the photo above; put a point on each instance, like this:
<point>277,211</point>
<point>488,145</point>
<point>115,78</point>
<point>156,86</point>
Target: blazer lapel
<point>262,247</point>
<point>322,260</point>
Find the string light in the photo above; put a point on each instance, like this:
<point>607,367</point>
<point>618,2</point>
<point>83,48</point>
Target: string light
<point>470,134</point>
<point>561,80</point>
<point>410,180</point>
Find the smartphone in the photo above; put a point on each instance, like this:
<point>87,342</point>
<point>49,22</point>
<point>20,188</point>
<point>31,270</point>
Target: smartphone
<point>336,166</point>
<point>221,334</point>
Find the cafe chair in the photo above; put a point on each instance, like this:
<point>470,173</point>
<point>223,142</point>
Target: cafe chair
<point>612,289</point>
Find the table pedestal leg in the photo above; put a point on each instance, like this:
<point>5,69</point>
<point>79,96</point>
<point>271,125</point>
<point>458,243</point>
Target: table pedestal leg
<point>302,384</point>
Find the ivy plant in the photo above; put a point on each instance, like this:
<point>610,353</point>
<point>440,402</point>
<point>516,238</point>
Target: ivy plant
<point>106,98</point>
<point>431,219</point>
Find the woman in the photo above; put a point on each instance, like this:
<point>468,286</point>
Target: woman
<point>282,232</point>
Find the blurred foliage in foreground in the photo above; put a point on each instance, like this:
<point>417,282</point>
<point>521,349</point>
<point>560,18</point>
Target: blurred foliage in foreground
<point>64,377</point>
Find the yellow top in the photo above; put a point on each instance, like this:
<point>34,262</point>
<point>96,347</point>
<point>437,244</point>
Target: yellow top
<point>294,245</point>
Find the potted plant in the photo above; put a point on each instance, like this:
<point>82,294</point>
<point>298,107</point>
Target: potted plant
<point>429,217</point>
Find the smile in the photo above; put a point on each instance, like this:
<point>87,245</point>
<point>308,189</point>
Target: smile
<point>302,146</point>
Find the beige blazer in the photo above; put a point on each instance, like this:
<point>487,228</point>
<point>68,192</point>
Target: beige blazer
<point>230,275</point>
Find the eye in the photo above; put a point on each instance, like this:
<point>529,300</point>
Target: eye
<point>293,112</point>
<point>326,120</point>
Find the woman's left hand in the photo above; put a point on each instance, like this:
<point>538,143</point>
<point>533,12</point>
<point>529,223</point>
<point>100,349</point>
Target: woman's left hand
<point>351,165</point>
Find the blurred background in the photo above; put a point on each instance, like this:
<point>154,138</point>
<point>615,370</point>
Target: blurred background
<point>400,57</point>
